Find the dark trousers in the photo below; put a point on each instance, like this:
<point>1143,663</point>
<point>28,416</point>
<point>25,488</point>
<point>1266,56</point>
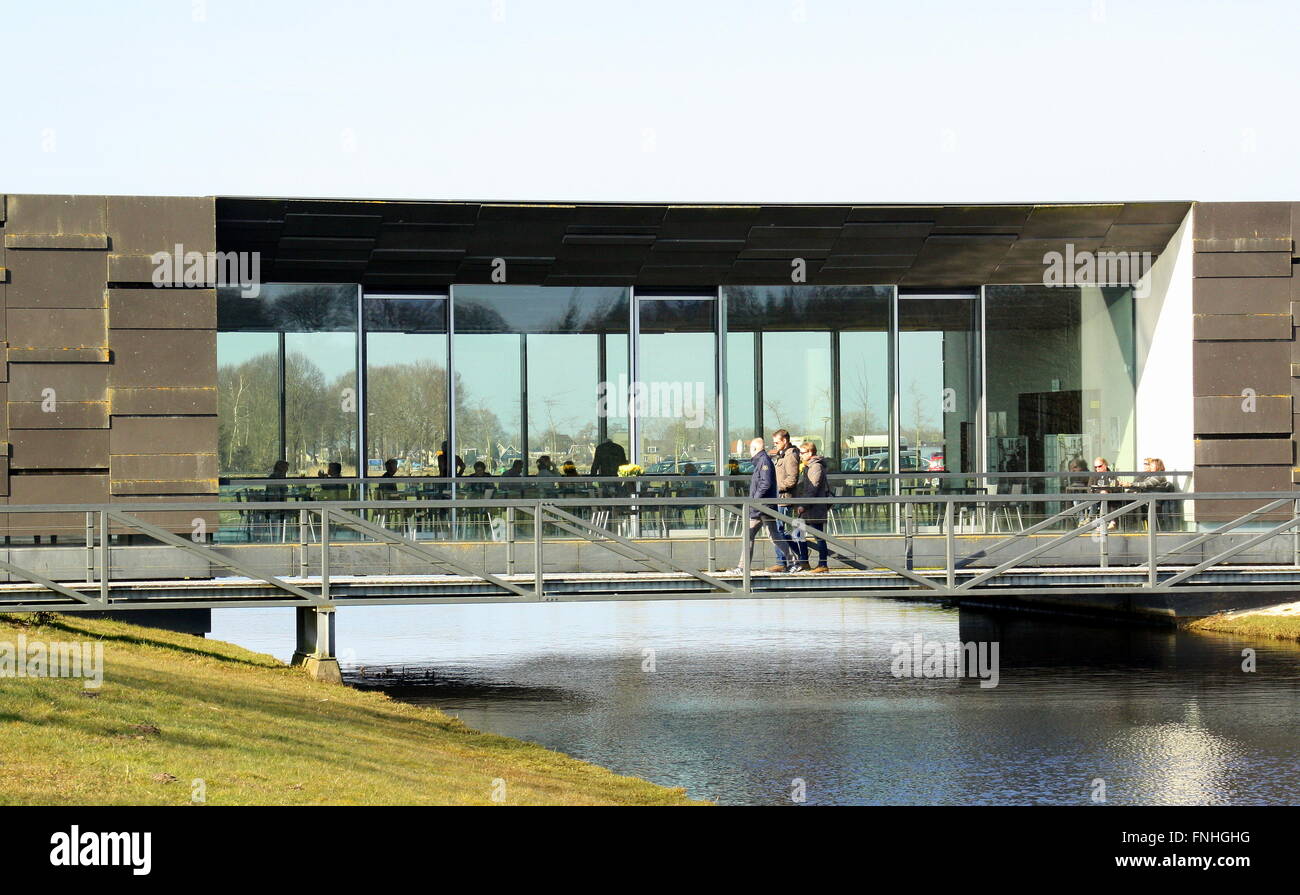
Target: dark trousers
<point>801,541</point>
<point>786,554</point>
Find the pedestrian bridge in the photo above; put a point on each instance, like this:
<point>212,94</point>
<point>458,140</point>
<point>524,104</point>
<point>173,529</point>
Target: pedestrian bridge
<point>1137,555</point>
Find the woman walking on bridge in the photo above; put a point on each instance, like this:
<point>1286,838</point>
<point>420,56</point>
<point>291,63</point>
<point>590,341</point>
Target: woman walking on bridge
<point>812,483</point>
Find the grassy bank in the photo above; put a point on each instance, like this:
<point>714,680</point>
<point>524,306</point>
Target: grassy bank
<point>1282,622</point>
<point>175,708</point>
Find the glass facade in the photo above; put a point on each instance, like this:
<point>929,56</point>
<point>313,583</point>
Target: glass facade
<point>406,386</point>
<point>676,396</point>
<point>287,379</point>
<point>1060,378</point>
<point>813,360</point>
<point>938,383</point>
<point>1002,379</point>
<point>530,365</point>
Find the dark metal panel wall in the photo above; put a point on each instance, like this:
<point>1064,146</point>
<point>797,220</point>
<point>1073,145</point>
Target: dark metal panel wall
<point>1245,350</point>
<point>110,383</point>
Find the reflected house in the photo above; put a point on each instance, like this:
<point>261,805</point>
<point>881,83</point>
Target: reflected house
<point>897,337</point>
<point>508,456</point>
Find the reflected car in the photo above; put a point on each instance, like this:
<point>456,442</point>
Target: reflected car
<point>702,467</point>
<point>879,463</point>
<point>665,467</point>
<point>710,468</point>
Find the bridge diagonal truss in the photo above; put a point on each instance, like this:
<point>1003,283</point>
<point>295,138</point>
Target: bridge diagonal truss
<point>1154,550</point>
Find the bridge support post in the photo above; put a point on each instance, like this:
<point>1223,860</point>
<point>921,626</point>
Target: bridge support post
<point>315,644</point>
<point>1295,539</point>
<point>510,540</point>
<point>711,514</point>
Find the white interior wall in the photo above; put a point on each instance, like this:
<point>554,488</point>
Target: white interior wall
<point>1164,356</point>
<point>1108,406</point>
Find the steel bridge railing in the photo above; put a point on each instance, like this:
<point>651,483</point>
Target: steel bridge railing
<point>403,497</point>
<point>945,545</point>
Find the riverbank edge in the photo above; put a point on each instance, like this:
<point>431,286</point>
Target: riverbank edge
<point>1280,622</point>
<point>179,716</point>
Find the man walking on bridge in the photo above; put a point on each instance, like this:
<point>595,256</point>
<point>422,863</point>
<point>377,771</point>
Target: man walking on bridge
<point>786,460</point>
<point>762,484</point>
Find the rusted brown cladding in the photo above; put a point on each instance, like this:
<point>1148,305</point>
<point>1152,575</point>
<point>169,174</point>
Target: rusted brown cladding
<point>109,383</point>
<point>1245,352</point>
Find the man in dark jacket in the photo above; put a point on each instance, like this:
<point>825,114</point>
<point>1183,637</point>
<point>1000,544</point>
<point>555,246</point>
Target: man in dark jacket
<point>608,458</point>
<point>812,483</point>
<point>762,484</point>
<point>444,463</point>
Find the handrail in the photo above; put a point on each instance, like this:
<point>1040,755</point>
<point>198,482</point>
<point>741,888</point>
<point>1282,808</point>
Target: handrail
<point>253,481</point>
<point>878,560</point>
<point>638,500</point>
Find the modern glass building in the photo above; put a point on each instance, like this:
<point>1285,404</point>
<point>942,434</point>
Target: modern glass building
<point>524,336</point>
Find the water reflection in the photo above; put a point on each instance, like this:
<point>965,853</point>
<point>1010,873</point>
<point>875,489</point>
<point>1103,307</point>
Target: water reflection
<point>746,696</point>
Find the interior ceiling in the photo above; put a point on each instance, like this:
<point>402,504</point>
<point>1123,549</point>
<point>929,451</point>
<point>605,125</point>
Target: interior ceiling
<point>412,245</point>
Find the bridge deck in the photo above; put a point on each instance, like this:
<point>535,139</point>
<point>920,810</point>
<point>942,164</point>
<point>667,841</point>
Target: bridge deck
<point>332,554</point>
<point>1125,589</point>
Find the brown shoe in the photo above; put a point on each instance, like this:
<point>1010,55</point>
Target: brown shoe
<point>776,568</point>
<point>819,569</point>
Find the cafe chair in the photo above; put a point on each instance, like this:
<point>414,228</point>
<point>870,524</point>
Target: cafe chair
<point>1002,512</point>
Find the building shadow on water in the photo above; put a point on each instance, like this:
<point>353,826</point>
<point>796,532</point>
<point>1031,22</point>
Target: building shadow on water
<point>1044,646</point>
<point>427,683</point>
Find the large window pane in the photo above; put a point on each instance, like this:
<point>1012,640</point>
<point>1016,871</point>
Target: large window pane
<point>614,411</point>
<point>864,399</point>
<point>797,393</point>
<point>792,349</point>
<point>562,411</point>
<point>677,406</point>
<point>248,403</point>
<point>489,418</point>
<point>938,384</point>
<point>1060,377</point>
<point>743,419</point>
<point>320,395</point>
<point>530,361</point>
<point>313,328</point>
<point>406,384</point>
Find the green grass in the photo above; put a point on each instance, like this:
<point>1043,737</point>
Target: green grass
<point>175,708</point>
<point>1283,626</point>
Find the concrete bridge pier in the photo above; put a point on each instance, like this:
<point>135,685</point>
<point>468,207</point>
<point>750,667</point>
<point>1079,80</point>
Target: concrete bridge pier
<point>315,650</point>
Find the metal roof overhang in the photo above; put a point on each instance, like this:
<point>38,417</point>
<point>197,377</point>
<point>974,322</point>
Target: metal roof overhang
<point>412,245</point>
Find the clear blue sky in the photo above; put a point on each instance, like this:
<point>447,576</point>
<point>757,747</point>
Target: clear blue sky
<point>768,100</point>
